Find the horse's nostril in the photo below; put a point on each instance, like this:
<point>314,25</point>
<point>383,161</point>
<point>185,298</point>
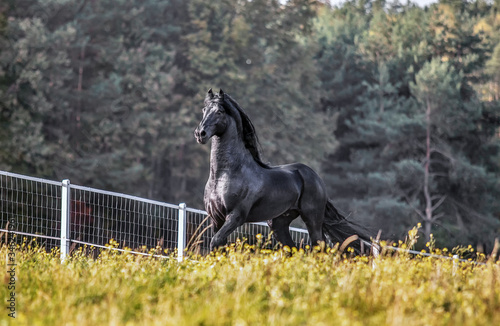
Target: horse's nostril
<point>203,133</point>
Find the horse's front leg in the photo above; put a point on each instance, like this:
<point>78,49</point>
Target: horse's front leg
<point>281,228</point>
<point>233,220</point>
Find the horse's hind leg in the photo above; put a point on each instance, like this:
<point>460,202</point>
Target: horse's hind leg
<point>280,227</point>
<point>314,222</point>
<point>312,208</point>
<point>313,215</point>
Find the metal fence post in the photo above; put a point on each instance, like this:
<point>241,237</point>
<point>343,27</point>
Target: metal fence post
<point>65,218</point>
<point>181,234</point>
<point>455,264</point>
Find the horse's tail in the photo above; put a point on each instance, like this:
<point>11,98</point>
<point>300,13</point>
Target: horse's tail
<point>339,229</point>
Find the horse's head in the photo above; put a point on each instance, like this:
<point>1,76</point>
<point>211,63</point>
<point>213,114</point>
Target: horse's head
<point>214,120</point>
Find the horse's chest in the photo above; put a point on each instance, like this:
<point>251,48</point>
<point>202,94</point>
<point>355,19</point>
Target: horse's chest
<point>222,195</point>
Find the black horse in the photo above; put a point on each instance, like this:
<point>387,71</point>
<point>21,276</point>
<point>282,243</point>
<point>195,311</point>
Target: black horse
<point>241,188</point>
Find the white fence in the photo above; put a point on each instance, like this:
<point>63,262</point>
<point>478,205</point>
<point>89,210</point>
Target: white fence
<point>60,214</point>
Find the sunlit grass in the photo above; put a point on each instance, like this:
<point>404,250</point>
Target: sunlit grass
<point>243,285</point>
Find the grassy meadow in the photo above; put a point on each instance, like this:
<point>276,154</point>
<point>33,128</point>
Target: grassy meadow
<point>247,286</point>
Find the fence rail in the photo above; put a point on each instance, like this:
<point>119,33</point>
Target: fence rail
<point>64,215</point>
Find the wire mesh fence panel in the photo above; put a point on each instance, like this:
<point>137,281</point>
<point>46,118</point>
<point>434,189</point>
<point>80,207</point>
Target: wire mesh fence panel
<point>300,237</point>
<point>99,216</point>
<point>199,233</point>
<point>32,208</point>
<point>248,233</point>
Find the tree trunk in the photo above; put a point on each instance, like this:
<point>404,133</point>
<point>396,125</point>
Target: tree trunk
<point>427,195</point>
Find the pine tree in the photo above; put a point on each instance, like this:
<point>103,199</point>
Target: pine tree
<point>401,161</point>
<point>35,65</point>
<point>95,100</point>
<point>258,52</point>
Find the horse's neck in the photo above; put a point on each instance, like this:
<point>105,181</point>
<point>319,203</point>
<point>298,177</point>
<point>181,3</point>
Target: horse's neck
<point>228,152</point>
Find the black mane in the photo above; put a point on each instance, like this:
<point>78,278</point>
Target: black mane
<point>247,132</point>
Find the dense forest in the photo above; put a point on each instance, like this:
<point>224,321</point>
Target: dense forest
<point>396,106</point>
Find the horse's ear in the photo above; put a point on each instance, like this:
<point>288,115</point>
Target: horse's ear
<point>209,97</point>
<point>221,94</point>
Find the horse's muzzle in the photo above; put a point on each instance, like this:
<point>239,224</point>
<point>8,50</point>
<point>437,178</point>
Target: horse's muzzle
<point>201,136</point>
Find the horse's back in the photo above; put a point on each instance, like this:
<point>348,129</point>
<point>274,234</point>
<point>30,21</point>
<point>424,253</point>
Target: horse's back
<point>309,176</point>
<point>313,187</point>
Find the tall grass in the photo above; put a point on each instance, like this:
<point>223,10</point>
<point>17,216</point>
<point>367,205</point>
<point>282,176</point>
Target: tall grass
<point>247,286</point>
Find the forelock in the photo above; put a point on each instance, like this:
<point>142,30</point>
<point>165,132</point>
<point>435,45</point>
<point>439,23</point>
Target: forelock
<point>215,100</point>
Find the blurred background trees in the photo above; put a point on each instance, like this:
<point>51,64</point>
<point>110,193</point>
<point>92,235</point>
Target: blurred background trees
<point>396,106</point>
